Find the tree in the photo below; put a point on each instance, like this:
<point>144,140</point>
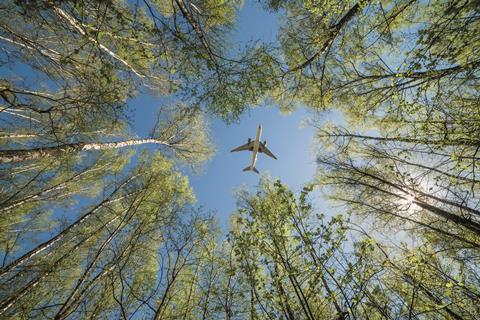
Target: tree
<point>369,58</point>
<point>31,194</point>
<point>396,180</point>
<point>62,135</point>
<point>299,265</point>
<point>178,128</point>
<point>292,259</point>
<point>170,47</point>
<point>418,281</point>
<point>57,277</point>
<point>54,175</point>
<point>402,76</point>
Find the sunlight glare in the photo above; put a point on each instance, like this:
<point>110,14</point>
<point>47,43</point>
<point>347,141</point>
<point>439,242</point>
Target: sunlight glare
<point>407,203</point>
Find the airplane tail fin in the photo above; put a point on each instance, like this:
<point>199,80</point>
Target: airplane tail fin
<point>250,168</point>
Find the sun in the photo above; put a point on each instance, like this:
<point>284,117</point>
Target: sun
<point>407,202</point>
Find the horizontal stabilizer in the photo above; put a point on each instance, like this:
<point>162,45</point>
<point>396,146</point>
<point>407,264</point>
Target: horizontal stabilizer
<point>250,168</point>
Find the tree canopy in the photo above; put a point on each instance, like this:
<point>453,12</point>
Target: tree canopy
<point>99,222</point>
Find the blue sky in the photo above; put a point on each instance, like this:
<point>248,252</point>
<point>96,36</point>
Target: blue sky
<point>287,138</point>
<point>223,174</point>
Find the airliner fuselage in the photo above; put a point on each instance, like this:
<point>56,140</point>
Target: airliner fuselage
<point>256,145</point>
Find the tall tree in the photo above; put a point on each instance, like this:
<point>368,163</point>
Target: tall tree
<point>74,67</point>
<point>57,276</point>
<point>293,259</point>
<point>32,193</point>
<point>180,129</point>
<point>367,58</point>
<point>168,47</point>
<point>395,177</point>
<point>403,76</point>
<point>300,265</point>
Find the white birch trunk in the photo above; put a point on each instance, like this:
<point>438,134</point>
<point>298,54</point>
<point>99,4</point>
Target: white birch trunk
<point>47,244</point>
<point>120,144</point>
<point>79,27</point>
<point>32,154</point>
<point>56,187</point>
<point>48,53</point>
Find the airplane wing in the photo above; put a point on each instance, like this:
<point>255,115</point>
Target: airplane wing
<point>246,146</point>
<point>265,150</point>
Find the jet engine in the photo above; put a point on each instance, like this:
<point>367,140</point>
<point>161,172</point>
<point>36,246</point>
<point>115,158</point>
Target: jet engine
<point>265,143</point>
<point>249,140</point>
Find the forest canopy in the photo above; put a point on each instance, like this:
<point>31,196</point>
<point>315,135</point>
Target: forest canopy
<point>99,222</point>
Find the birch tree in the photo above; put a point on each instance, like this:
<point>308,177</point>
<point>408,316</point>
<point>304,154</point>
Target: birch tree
<point>301,264</point>
<point>57,276</point>
<point>369,58</point>
<point>180,130</point>
<point>160,47</point>
<point>292,258</point>
<point>402,184</point>
<point>32,193</point>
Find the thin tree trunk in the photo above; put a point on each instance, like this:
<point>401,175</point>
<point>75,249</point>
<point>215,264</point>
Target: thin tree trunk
<point>58,151</point>
<point>422,288</point>
<point>428,74</point>
<point>41,193</point>
<point>293,281</point>
<point>251,279</point>
<point>334,31</point>
<point>48,53</point>
<point>45,245</point>
<point>79,28</point>
<point>287,310</point>
<point>468,224</point>
<point>199,32</point>
<point>207,296</point>
<point>301,230</point>
<point>439,142</point>
<point>74,305</point>
<point>191,291</point>
<point>422,224</point>
<point>384,155</point>
<point>170,283</point>
<point>228,293</point>
<point>65,306</point>
<point>6,304</point>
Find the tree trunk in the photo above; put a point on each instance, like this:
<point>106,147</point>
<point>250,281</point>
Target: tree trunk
<point>43,246</point>
<point>58,151</point>
<point>72,22</point>
<point>334,31</point>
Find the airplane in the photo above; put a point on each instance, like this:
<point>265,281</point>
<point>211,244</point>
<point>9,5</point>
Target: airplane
<point>255,146</point>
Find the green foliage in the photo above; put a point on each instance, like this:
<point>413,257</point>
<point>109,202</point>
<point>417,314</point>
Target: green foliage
<point>184,130</point>
<point>405,78</point>
<point>117,232</point>
<point>286,252</point>
<point>92,231</point>
<point>299,263</point>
